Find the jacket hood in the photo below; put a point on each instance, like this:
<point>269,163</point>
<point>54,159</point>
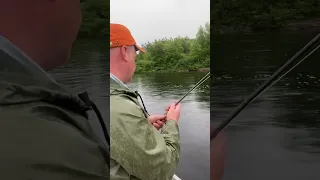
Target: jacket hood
<point>23,81</point>
<point>117,89</point>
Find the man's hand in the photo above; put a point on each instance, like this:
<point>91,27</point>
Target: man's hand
<point>173,112</point>
<point>157,120</point>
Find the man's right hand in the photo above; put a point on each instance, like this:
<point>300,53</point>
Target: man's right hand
<point>173,112</point>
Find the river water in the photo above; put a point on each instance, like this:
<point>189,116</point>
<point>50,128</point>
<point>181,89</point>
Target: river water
<point>278,136</point>
<point>88,71</point>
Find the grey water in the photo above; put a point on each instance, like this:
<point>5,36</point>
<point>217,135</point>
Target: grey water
<point>278,136</point>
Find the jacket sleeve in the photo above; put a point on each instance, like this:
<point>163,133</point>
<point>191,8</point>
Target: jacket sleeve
<point>139,148</point>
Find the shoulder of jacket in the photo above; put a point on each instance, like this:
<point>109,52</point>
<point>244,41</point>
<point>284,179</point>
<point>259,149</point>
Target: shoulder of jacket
<point>124,102</point>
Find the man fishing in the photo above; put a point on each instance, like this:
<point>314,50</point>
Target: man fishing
<point>138,150</point>
<point>44,130</point>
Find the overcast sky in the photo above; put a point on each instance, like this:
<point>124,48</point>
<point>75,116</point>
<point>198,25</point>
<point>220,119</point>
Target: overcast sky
<point>155,19</point>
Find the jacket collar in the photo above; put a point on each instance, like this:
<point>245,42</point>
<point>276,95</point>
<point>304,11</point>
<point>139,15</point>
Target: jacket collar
<point>22,80</point>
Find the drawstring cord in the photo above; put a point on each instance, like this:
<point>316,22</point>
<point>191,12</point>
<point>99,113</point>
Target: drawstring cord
<point>144,107</point>
<point>85,98</point>
<point>103,125</point>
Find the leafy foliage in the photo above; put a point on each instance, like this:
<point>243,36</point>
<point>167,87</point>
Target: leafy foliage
<point>177,54</point>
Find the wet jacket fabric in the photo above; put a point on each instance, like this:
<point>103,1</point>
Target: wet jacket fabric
<point>44,130</point>
<point>137,149</point>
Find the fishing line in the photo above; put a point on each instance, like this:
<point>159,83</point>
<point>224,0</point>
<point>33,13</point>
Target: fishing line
<point>271,81</point>
<point>309,54</point>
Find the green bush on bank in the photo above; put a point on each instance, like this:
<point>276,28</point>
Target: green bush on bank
<point>177,54</point>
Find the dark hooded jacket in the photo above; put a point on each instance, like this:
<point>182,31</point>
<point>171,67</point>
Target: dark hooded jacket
<point>44,130</point>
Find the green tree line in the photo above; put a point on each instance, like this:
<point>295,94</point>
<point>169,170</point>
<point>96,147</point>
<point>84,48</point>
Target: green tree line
<point>95,18</point>
<point>260,15</point>
<point>177,54</point>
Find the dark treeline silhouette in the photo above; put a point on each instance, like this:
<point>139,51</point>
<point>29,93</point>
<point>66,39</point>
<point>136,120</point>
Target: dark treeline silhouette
<point>95,18</point>
<point>229,16</point>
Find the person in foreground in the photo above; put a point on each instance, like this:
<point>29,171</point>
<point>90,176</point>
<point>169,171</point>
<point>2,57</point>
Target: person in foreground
<point>138,150</point>
<point>217,155</point>
<point>44,130</point>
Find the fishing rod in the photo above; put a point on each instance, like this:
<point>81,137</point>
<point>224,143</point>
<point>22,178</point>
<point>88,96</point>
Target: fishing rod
<point>201,81</point>
<point>267,84</point>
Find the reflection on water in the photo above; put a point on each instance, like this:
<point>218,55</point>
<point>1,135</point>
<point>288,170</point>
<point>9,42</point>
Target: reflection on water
<point>87,70</point>
<point>278,135</point>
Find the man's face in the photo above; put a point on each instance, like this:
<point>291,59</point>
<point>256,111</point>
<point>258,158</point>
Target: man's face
<point>129,56</point>
<point>54,22</point>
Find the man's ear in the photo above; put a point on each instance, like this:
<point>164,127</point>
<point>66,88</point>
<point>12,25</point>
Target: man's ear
<point>124,54</point>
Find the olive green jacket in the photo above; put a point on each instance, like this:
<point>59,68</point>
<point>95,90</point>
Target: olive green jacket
<point>44,130</point>
<point>137,149</point>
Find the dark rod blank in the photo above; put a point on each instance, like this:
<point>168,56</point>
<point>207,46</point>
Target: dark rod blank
<point>260,89</point>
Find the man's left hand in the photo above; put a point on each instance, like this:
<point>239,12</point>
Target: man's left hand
<point>157,120</point>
